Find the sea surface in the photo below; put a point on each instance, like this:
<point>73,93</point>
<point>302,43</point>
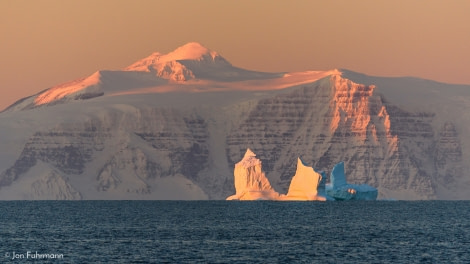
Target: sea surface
<point>234,232</point>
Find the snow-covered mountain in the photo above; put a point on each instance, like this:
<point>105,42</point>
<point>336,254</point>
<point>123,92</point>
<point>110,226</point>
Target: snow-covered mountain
<point>172,126</point>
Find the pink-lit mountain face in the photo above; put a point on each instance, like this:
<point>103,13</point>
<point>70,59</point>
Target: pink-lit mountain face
<point>173,126</point>
<point>188,69</point>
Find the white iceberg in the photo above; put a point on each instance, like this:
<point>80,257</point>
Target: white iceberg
<point>250,180</point>
<point>339,189</point>
<point>305,184</point>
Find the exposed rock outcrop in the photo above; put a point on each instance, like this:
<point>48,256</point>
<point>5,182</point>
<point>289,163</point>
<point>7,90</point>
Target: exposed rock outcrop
<point>336,119</point>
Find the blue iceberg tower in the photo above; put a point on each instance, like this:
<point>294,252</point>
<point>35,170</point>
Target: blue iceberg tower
<point>322,187</point>
<point>340,189</point>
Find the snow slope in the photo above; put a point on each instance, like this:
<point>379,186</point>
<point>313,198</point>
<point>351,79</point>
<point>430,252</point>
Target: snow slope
<point>172,126</point>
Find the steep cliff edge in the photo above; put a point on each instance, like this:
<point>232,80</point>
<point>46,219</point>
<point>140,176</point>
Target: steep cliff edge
<point>336,119</point>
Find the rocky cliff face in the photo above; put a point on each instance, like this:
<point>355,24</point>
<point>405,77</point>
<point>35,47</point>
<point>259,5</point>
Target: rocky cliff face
<point>327,121</point>
<point>120,151</point>
<point>448,156</point>
<point>336,120</point>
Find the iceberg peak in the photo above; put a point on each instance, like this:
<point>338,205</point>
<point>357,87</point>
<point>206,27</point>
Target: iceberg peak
<point>337,176</point>
<point>249,153</point>
<point>250,180</point>
<point>249,159</point>
<point>304,184</point>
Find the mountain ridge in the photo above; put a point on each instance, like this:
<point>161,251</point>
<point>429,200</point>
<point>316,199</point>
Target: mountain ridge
<point>137,135</point>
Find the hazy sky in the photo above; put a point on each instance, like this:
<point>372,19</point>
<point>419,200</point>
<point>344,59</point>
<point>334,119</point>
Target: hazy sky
<point>47,42</point>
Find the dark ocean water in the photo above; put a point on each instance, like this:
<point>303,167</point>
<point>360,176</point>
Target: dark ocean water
<point>234,232</point>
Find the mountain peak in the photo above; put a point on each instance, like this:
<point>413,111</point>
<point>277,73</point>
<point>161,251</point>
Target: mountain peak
<point>192,51</point>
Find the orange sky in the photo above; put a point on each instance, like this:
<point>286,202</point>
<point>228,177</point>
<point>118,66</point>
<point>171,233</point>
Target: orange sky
<point>46,42</point>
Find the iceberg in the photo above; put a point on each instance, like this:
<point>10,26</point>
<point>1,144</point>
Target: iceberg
<point>305,184</point>
<point>250,180</point>
<point>322,187</point>
<point>339,189</point>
